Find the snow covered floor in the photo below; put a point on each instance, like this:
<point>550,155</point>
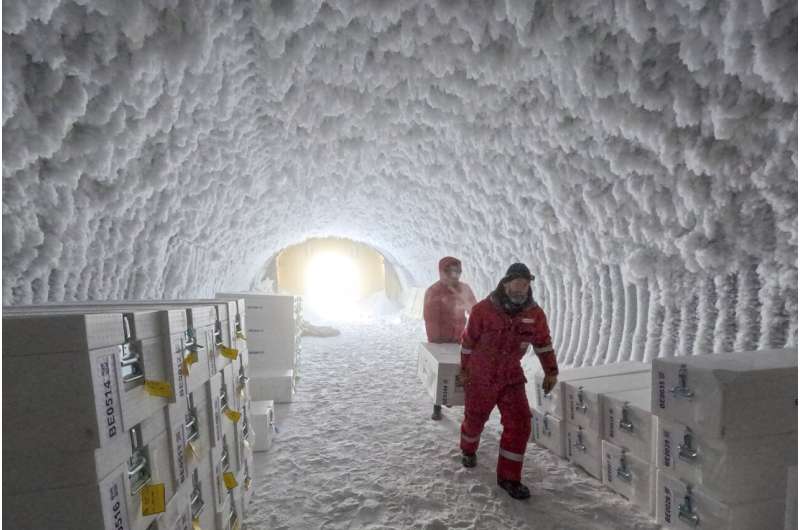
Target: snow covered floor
<point>356,449</point>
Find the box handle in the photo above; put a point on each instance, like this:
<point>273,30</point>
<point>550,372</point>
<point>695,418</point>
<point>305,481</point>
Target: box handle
<point>623,472</point>
<point>686,510</point>
<point>682,390</point>
<point>138,468</point>
<point>581,405</point>
<point>197,503</point>
<point>686,452</point>
<point>579,443</point>
<point>625,422</point>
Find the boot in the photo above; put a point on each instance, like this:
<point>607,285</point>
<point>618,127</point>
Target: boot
<point>469,459</point>
<point>515,488</point>
<point>437,413</point>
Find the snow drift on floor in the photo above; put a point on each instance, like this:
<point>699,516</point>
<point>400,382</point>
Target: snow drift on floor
<point>356,449</point>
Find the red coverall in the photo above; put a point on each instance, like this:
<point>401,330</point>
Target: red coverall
<point>445,306</point>
<point>492,347</point>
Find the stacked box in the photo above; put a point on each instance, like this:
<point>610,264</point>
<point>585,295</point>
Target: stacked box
<point>549,411</point>
<point>273,332</point>
<point>630,476</point>
<point>107,399</point>
<point>584,416</point>
<point>727,434</point>
<point>599,418</point>
<point>628,450</point>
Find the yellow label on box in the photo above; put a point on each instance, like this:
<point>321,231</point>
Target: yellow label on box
<point>153,499</point>
<point>235,525</point>
<point>230,353</point>
<point>196,524</point>
<point>193,450</point>
<point>158,388</point>
<point>233,415</point>
<point>230,480</point>
<point>188,361</point>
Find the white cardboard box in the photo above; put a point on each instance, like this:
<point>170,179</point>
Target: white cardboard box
<point>552,402</point>
<point>791,499</point>
<point>245,436</point>
<point>199,425</point>
<point>262,415</point>
<point>735,395</point>
<point>689,508</point>
<point>583,398</point>
<point>584,449</point>
<point>549,432</point>
<point>109,505</point>
<point>438,366</point>
<point>46,468</point>
<point>229,427</point>
<point>245,480</point>
<point>220,465</point>
<point>738,470</point>
<point>628,422</point>
<point>202,496</point>
<point>229,518</point>
<point>72,360</point>
<point>630,476</point>
<point>277,386</point>
<point>181,325</point>
<point>178,514</point>
<point>273,325</point>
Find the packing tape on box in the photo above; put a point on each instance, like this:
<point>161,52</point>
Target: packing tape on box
<point>188,362</point>
<point>158,388</point>
<point>230,353</point>
<point>153,499</point>
<point>233,415</point>
<point>230,480</point>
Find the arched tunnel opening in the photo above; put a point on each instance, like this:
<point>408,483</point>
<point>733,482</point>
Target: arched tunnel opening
<point>339,279</point>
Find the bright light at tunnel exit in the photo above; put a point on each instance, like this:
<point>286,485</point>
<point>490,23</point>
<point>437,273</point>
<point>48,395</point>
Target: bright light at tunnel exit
<point>332,286</point>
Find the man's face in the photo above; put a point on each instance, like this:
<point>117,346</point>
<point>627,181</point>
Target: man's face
<point>452,273</point>
<point>517,290</point>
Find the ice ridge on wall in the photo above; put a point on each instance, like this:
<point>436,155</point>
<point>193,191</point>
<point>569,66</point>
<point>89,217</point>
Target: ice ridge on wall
<point>639,155</point>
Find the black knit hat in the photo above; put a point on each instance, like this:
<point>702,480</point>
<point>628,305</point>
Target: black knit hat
<point>518,270</point>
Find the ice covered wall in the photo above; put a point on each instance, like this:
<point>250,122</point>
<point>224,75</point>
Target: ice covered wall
<point>640,155</point>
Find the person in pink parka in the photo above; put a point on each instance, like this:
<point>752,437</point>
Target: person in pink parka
<point>447,304</point>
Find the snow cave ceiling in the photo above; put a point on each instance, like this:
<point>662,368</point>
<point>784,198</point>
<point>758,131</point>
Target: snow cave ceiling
<point>639,155</point>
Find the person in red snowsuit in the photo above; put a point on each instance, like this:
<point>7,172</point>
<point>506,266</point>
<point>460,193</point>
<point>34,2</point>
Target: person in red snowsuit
<point>500,330</point>
<point>446,304</point>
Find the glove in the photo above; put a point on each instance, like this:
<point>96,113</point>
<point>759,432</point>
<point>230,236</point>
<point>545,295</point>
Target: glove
<point>549,383</point>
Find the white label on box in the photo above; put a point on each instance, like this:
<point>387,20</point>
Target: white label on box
<point>217,418</point>
<point>180,381</point>
<point>667,505</point>
<point>220,484</point>
<point>666,450</point>
<point>115,510</point>
<point>179,447</point>
<point>662,390</point>
<point>107,399</point>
